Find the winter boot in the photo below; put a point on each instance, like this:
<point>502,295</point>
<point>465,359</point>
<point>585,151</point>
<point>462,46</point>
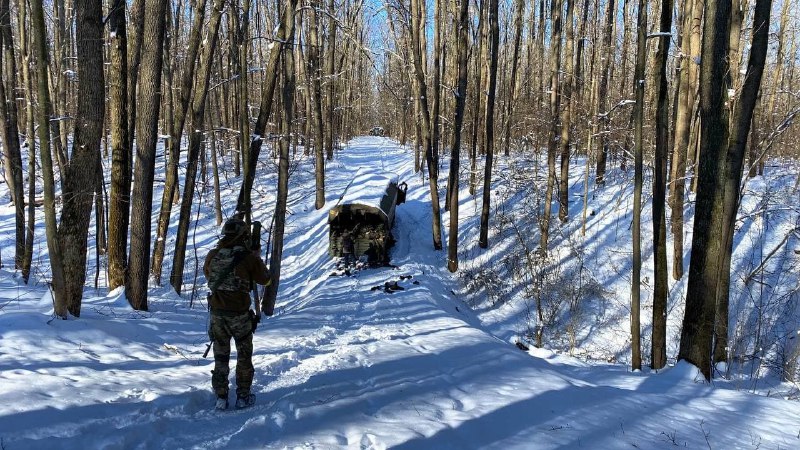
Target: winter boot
<point>222,403</point>
<point>246,401</point>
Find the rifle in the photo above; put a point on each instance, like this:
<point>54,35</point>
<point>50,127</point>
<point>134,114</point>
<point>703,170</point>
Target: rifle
<point>255,244</point>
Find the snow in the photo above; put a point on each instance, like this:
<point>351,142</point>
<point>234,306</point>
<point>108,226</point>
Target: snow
<point>367,188</point>
<point>341,365</point>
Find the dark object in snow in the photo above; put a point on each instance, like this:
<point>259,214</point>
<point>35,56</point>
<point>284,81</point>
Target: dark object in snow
<point>221,404</point>
<point>245,401</point>
<point>521,346</point>
<point>415,282</point>
<point>390,287</point>
<point>377,131</point>
<point>405,277</point>
<point>360,225</point>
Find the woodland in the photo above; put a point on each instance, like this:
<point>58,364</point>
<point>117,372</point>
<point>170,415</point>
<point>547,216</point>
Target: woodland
<point>695,96</point>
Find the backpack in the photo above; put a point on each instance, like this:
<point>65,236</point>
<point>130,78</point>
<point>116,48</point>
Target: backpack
<point>222,276</point>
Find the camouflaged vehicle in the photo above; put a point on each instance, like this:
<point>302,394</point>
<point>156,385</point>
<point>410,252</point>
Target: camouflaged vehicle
<point>366,210</point>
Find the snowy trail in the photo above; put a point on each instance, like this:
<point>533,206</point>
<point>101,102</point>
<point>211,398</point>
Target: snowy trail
<point>341,365</point>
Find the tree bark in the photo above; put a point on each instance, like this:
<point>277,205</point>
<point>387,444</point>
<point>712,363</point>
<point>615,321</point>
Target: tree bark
<point>147,108</point>
<point>462,41</point>
<point>732,175</point>
<point>608,56</point>
<point>519,10</point>
<point>316,101</point>
<point>683,121</point>
<point>553,137</point>
<point>566,113</point>
<point>174,141</point>
<point>417,28</point>
<point>285,28</point>
<point>638,114</point>
<point>494,43</point>
<point>707,252</point>
<point>287,97</point>
<point>44,115</point>
<point>120,202</point>
<point>658,350</point>
<point>12,155</point>
<point>331,73</point>
<point>196,130</point>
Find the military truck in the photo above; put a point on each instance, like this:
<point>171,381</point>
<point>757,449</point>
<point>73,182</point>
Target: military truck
<point>366,211</point>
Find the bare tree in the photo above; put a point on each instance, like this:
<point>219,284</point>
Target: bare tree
<point>608,53</point>
<point>552,141</point>
<point>285,28</point>
<point>566,112</point>
<point>638,114</point>
<point>494,42</point>
<point>287,94</point>
<point>43,115</point>
<point>698,322</point>
<point>316,100</point>
<point>658,349</point>
<point>119,204</point>
<point>519,10</point>
<point>149,101</point>
<point>197,129</point>
<point>734,159</point>
<point>417,29</point>
<point>178,121</point>
<point>12,157</point>
<point>462,41</point>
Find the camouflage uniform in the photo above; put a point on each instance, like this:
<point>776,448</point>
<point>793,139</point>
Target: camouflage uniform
<point>230,270</point>
<point>240,328</point>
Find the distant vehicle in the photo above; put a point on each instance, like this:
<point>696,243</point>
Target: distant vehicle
<point>366,211</point>
<point>377,131</point>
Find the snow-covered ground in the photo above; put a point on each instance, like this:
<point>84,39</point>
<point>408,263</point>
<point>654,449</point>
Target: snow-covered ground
<point>344,365</point>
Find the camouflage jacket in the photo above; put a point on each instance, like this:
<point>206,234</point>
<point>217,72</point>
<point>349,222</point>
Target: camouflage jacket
<point>233,293</point>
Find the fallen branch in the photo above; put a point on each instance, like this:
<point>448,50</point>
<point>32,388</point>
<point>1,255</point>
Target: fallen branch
<point>760,267</point>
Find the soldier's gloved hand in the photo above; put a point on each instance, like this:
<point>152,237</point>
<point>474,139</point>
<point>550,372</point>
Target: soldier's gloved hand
<point>255,319</point>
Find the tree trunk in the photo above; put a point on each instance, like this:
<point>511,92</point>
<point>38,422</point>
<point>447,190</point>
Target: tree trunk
<point>174,141</point>
<point>316,103</point>
<point>287,97</point>
<point>462,41</point>
<point>683,121</point>
<point>493,57</point>
<point>147,108</point>
<point>519,10</point>
<point>30,141</point>
<point>285,28</point>
<point>476,105</point>
<point>134,60</point>
<point>196,130</point>
<point>44,116</point>
<point>331,73</point>
<point>566,114</point>
<point>638,114</point>
<point>119,205</point>
<point>552,141</point>
<point>608,56</point>
<point>12,157</point>
<point>732,176</point>
<point>707,252</point>
<point>417,28</point>
<point>658,350</point>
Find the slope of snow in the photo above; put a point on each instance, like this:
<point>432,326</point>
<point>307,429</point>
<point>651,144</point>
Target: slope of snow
<point>343,364</point>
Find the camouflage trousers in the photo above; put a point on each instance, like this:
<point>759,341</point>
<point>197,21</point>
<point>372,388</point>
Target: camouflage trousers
<point>222,329</point>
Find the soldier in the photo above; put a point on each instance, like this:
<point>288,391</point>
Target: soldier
<point>348,248</point>
<point>230,269</point>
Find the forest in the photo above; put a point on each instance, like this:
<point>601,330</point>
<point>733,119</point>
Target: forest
<point>685,100</point>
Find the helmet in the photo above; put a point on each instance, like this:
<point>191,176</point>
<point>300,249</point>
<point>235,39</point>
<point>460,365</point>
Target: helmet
<point>235,227</point>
